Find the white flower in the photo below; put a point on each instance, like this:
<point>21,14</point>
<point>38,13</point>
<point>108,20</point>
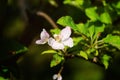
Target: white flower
<point>61,40</point>
<point>57,77</point>
<point>44,37</point>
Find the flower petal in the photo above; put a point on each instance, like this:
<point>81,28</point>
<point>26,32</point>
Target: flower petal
<point>44,35</point>
<point>55,76</point>
<point>57,45</point>
<point>40,42</point>
<point>54,44</point>
<point>65,33</point>
<point>51,41</point>
<point>59,77</point>
<point>68,42</point>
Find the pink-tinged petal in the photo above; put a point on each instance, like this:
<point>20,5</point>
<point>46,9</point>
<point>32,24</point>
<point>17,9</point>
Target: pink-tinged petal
<point>51,41</point>
<point>60,77</point>
<point>68,42</point>
<point>44,35</point>
<point>65,33</point>
<point>56,45</point>
<point>40,42</point>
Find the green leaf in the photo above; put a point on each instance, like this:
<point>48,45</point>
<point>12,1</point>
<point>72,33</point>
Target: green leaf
<point>99,29</point>
<point>55,31</point>
<point>105,18</point>
<point>77,40</point>
<point>116,5</point>
<point>105,60</point>
<point>91,13</point>
<point>90,50</point>
<point>67,21</point>
<point>24,49</point>
<point>82,28</point>
<point>83,54</point>
<point>81,4</point>
<point>91,30</point>
<point>48,51</point>
<point>56,60</point>
<point>76,3</point>
<point>113,40</point>
<point>96,53</point>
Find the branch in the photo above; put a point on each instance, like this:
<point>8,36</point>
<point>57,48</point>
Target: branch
<point>48,18</point>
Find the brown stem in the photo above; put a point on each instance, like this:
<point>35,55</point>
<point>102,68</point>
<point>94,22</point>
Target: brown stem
<point>61,69</point>
<point>48,18</point>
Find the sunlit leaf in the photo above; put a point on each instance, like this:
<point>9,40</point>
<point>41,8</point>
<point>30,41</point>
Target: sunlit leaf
<point>105,18</point>
<point>55,31</point>
<point>113,40</point>
<point>96,53</point>
<point>76,3</point>
<point>91,13</point>
<point>77,40</point>
<point>48,51</point>
<point>99,29</point>
<point>105,60</point>
<point>67,21</point>
<point>82,28</point>
<point>91,30</point>
<point>83,54</point>
<point>90,50</point>
<point>56,60</point>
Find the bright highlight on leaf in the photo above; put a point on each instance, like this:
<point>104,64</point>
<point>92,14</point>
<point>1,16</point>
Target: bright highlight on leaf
<point>48,51</point>
<point>83,54</point>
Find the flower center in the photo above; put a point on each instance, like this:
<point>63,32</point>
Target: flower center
<point>57,38</point>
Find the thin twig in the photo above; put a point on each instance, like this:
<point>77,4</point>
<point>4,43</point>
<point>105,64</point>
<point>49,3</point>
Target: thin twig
<point>48,18</point>
<point>61,69</point>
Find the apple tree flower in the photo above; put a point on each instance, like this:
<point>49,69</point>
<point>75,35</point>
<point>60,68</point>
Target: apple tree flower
<point>44,36</point>
<point>57,77</point>
<point>61,40</point>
